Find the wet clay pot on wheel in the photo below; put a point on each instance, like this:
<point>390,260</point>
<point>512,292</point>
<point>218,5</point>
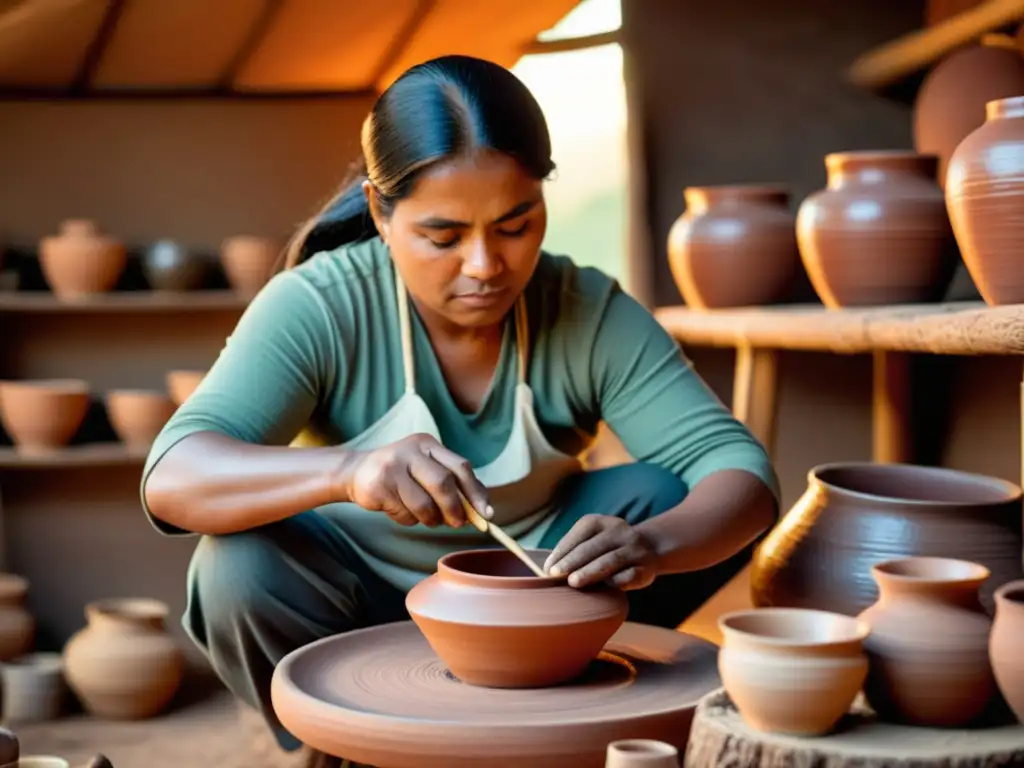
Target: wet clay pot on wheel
<point>855,515</point>
<point>17,627</point>
<point>81,261</point>
<point>641,753</point>
<point>249,262</point>
<point>985,198</point>
<point>494,624</point>
<point>879,233</point>
<point>1005,645</point>
<point>124,665</point>
<point>734,246</point>
<point>137,416</point>
<point>43,415</point>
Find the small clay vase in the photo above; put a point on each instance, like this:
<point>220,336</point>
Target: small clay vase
<point>137,416</point>
<point>985,198</point>
<point>248,262</point>
<point>17,627</point>
<point>928,645</point>
<point>181,384</point>
<point>124,665</point>
<point>32,688</point>
<point>792,671</point>
<point>879,233</point>
<point>170,266</point>
<point>43,415</point>
<point>734,246</point>
<point>641,753</point>
<point>494,624</point>
<point>1005,645</point>
<point>80,261</point>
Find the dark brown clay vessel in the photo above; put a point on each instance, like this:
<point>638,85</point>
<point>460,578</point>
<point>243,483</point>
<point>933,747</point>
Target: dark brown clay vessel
<point>985,197</point>
<point>81,261</point>
<point>170,266</point>
<point>734,246</point>
<point>1005,645</point>
<point>249,261</point>
<point>17,627</point>
<point>879,233</point>
<point>855,515</point>
<point>928,645</point>
<point>137,416</point>
<point>42,415</point>
<point>496,625</point>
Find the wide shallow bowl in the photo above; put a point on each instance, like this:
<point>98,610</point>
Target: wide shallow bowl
<point>137,416</point>
<point>792,671</point>
<point>495,624</point>
<point>45,414</point>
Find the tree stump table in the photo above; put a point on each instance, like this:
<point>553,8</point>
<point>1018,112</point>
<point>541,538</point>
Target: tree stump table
<point>721,739</point>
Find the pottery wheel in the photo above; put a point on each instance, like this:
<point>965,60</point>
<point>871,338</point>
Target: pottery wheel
<point>721,738</point>
<point>382,697</point>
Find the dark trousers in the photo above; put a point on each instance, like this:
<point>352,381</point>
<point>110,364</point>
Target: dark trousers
<point>256,596</point>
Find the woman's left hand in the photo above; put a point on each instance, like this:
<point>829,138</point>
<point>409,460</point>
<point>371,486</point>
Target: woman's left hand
<point>602,548</point>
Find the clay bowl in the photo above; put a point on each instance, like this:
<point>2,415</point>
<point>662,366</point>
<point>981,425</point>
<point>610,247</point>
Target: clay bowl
<point>494,624</point>
<point>792,671</point>
<point>248,261</point>
<point>137,416</point>
<point>80,260</point>
<point>45,414</point>
<point>1004,645</point>
<point>181,384</point>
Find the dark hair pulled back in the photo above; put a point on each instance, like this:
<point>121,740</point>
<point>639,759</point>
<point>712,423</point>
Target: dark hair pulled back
<point>439,109</point>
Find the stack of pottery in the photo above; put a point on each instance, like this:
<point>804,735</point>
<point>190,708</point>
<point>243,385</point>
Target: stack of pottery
<point>43,415</point>
<point>137,416</point>
<point>81,261</point>
<point>248,262</point>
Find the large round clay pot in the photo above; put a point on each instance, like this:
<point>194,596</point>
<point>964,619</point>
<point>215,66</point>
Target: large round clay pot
<point>80,261</point>
<point>169,266</point>
<point>734,246</point>
<point>249,261</point>
<point>495,624</point>
<point>985,197</point>
<point>17,627</point>
<point>1005,645</point>
<point>43,415</point>
<point>123,664</point>
<point>855,515</point>
<point>878,233</point>
<point>137,416</point>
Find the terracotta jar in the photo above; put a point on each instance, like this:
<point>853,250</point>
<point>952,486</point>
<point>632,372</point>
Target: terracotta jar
<point>792,671</point>
<point>181,384</point>
<point>81,261</point>
<point>124,665</point>
<point>928,646</point>
<point>985,197</point>
<point>249,261</point>
<point>641,753</point>
<point>854,515</point>
<point>734,246</point>
<point>1005,645</point>
<point>17,627</point>
<point>495,624</point>
<point>879,233</point>
<point>137,416</point>
<point>43,415</point>
<point>170,266</point>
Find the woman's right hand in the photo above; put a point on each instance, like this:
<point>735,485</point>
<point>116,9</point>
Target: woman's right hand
<point>414,480</point>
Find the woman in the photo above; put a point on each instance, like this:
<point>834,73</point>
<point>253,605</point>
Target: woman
<point>434,349</point>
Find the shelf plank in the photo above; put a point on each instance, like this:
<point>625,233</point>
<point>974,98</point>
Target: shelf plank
<point>87,455</point>
<point>955,328</point>
<point>124,301</point>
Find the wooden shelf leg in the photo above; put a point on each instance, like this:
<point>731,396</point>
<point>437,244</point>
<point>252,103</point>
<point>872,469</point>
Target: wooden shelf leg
<point>892,431</point>
<point>755,390</point>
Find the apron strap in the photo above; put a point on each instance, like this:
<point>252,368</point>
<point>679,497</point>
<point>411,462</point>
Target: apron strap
<point>522,338</point>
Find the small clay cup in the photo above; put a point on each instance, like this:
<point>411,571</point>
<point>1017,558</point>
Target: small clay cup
<point>641,753</point>
<point>137,416</point>
<point>248,262</point>
<point>1005,645</point>
<point>181,384</point>
<point>43,415</point>
<point>496,625</point>
<point>32,688</point>
<point>792,671</point>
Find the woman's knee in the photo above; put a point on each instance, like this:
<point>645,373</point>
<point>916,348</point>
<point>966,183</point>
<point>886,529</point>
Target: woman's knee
<point>233,574</point>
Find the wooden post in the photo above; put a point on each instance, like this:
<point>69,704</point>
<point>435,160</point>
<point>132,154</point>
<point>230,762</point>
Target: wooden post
<point>754,392</point>
<point>892,432</point>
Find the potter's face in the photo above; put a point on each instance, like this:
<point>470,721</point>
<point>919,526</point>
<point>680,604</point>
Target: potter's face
<point>467,240</point>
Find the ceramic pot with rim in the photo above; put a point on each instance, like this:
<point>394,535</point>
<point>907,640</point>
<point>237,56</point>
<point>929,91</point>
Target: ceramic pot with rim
<point>985,198</point>
<point>1005,645</point>
<point>43,414</point>
<point>854,515</point>
<point>735,246</point>
<point>495,624</point>
<point>137,416</point>
<point>17,626</point>
<point>641,753</point>
<point>81,261</point>
<point>878,233</point>
<point>249,261</point>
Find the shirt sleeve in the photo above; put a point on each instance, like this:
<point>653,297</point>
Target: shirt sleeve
<point>268,380</point>
<point>657,404</point>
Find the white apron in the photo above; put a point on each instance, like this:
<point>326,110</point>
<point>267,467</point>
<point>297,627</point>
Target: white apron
<point>522,479</point>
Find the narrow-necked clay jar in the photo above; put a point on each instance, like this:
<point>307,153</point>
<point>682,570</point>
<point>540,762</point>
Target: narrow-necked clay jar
<point>181,384</point>
<point>42,415</point>
<point>494,624</point>
<point>928,645</point>
<point>81,261</point>
<point>879,232</point>
<point>734,246</point>
<point>792,671</point>
<point>170,266</point>
<point>17,627</point>
<point>641,753</point>
<point>985,197</point>
<point>1005,645</point>
<point>124,664</point>
<point>137,416</point>
<point>249,261</point>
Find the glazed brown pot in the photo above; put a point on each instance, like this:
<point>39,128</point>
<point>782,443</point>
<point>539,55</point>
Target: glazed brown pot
<point>855,515</point>
<point>249,261</point>
<point>985,197</point>
<point>124,665</point>
<point>81,261</point>
<point>17,627</point>
<point>734,246</point>
<point>170,266</point>
<point>1005,645</point>
<point>181,384</point>
<point>928,646</point>
<point>494,624</point>
<point>879,232</point>
<point>44,414</point>
<point>137,416</point>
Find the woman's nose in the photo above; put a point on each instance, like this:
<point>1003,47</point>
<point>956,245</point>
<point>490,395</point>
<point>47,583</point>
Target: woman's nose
<point>481,261</point>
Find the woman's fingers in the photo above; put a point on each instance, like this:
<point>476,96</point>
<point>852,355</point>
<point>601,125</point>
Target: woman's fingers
<point>438,481</point>
<point>572,550</point>
<point>474,491</point>
<point>416,500</point>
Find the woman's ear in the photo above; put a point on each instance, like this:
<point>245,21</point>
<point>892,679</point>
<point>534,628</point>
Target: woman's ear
<point>379,220</point>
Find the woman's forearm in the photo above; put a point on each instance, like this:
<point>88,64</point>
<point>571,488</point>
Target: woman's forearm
<point>213,484</point>
<point>722,514</point>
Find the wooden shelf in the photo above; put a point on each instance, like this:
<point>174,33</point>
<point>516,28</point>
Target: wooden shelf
<point>88,455</point>
<point>123,301</point>
<point>958,328</point>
